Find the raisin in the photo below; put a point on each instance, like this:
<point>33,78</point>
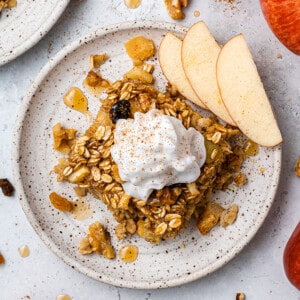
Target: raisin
<point>6,187</point>
<point>120,110</point>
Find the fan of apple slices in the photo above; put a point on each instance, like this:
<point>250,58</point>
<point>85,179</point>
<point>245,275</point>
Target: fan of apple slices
<point>223,80</point>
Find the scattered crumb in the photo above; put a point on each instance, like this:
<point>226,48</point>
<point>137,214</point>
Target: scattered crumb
<point>240,179</point>
<point>262,170</point>
<point>297,167</point>
<point>6,186</point>
<point>196,13</point>
<point>279,56</point>
<point>50,48</point>
<point>24,251</point>
<point>240,296</point>
<point>232,4</point>
<point>2,260</point>
<point>63,297</point>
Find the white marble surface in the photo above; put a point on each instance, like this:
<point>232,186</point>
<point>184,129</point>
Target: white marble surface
<point>257,271</point>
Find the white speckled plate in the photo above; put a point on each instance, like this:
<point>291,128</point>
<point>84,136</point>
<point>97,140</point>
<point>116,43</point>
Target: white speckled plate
<point>157,266</point>
<point>24,25</point>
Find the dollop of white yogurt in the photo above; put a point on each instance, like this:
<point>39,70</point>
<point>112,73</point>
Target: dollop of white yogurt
<point>154,150</point>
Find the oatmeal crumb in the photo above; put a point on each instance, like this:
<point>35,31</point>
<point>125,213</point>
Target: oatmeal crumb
<point>24,251</point>
<point>297,167</point>
<point>63,297</point>
<point>240,296</point>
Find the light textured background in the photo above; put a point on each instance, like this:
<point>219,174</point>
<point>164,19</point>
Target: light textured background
<point>257,271</point>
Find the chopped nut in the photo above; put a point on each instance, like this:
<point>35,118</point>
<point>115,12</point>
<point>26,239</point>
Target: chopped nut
<point>97,240</point>
<point>63,138</point>
<point>80,191</point>
<point>240,179</point>
<point>24,251</point>
<point>210,217</point>
<point>60,202</point>
<point>97,60</point>
<point>229,215</point>
<point>6,186</point>
<point>174,8</point>
<point>139,74</point>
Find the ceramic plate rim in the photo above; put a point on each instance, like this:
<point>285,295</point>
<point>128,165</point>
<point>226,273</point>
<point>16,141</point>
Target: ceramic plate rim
<point>35,36</point>
<point>17,134</point>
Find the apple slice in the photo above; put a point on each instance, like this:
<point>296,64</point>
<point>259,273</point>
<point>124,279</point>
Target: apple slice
<point>244,95</point>
<point>199,55</point>
<point>169,56</point>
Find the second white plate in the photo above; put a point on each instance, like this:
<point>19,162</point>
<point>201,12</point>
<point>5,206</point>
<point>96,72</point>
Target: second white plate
<point>24,25</point>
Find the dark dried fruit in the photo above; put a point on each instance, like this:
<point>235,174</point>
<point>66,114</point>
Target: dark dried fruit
<point>2,260</point>
<point>120,110</point>
<point>6,186</point>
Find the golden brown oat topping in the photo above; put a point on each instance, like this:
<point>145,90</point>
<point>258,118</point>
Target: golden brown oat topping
<point>167,212</point>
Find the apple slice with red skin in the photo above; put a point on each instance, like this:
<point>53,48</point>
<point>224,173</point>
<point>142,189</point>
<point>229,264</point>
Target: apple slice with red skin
<point>291,258</point>
<point>283,17</point>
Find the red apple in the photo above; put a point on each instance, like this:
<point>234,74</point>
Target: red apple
<point>291,258</point>
<point>283,17</point>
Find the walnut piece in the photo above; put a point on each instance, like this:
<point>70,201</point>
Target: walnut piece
<point>174,8</point>
<point>63,138</point>
<point>210,217</point>
<point>97,240</point>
